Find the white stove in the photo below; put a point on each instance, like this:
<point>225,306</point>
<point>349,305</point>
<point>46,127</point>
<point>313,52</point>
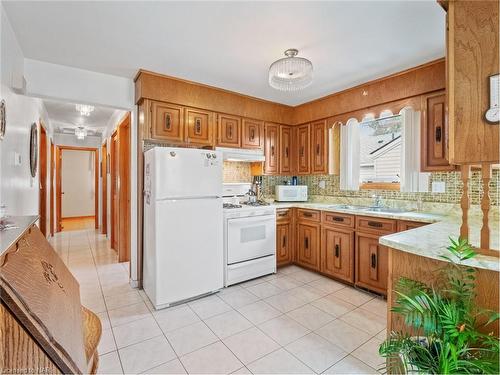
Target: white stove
<point>249,236</point>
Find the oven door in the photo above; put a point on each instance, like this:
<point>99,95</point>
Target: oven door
<point>250,238</point>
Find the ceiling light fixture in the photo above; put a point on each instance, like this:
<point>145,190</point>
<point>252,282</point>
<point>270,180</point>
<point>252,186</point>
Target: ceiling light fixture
<point>85,110</point>
<point>80,132</point>
<point>291,73</point>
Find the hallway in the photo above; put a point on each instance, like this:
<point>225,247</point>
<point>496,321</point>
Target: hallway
<point>294,321</point>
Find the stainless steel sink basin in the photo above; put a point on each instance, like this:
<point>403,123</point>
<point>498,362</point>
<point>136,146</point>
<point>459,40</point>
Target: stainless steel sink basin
<point>348,207</point>
<point>388,209</point>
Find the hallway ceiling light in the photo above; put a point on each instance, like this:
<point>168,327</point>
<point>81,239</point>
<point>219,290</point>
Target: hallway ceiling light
<point>85,110</point>
<point>80,132</point>
<point>290,73</point>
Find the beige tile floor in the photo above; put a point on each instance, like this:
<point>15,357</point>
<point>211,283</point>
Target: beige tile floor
<point>293,322</point>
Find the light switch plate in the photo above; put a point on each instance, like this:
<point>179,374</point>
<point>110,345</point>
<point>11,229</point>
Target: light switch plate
<point>439,187</point>
<point>17,159</point>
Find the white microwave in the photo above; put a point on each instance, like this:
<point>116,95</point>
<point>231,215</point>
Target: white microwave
<point>291,193</point>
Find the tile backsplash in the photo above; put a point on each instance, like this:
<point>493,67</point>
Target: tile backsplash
<point>452,193</point>
<point>234,171</point>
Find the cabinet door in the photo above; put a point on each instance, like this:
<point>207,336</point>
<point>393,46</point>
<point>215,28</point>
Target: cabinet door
<point>229,131</point>
<point>319,148</point>
<point>337,253</point>
<point>303,149</point>
<point>371,263</point>
<point>285,160</point>
<point>199,127</point>
<point>252,133</point>
<point>434,141</point>
<point>308,245</point>
<point>283,244</point>
<point>167,122</point>
<point>271,133</point>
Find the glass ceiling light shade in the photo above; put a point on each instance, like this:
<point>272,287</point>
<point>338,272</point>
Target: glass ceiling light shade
<point>80,132</point>
<point>84,109</point>
<point>291,73</point>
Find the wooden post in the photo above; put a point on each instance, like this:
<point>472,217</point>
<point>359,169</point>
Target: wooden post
<point>485,206</point>
<point>464,202</point>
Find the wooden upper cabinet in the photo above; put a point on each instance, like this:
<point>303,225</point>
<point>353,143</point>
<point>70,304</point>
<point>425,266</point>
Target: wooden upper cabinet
<point>199,127</point>
<point>167,122</point>
<point>271,151</point>
<point>472,56</point>
<point>319,147</point>
<point>285,160</point>
<point>303,137</point>
<point>229,131</point>
<point>434,141</point>
<point>252,133</point>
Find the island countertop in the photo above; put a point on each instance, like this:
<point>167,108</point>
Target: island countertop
<point>9,237</point>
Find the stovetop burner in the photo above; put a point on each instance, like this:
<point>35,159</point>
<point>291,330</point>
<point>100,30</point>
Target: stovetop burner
<point>231,205</point>
<point>256,204</point>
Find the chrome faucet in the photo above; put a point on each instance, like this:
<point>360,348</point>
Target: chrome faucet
<point>377,200</point>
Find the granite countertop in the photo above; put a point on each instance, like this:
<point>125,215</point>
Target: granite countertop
<point>423,217</point>
<point>8,237</point>
<point>430,240</point>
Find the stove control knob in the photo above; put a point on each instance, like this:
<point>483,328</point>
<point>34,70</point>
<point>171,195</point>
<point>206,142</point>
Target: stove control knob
<point>209,156</point>
<point>214,156</point>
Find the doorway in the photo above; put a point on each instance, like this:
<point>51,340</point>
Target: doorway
<point>120,189</point>
<point>77,188</point>
<point>42,207</point>
<point>104,189</point>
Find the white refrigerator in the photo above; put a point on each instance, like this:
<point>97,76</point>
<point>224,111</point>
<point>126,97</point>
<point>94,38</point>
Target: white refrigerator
<point>183,226</point>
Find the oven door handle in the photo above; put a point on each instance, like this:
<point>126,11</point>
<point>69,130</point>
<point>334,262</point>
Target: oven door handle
<point>241,221</point>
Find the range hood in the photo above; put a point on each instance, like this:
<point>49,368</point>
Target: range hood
<point>239,154</point>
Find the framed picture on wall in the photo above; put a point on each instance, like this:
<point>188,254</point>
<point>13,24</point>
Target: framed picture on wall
<point>33,149</point>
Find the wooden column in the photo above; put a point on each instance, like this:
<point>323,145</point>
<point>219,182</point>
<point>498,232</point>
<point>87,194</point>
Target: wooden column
<point>485,206</point>
<point>464,202</point>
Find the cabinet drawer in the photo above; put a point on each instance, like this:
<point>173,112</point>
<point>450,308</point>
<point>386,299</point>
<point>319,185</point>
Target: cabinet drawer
<point>407,225</point>
<point>375,225</point>
<point>335,218</point>
<point>283,214</point>
<point>310,215</point>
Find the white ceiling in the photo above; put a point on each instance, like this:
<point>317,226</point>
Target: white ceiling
<point>64,116</point>
<point>231,44</point>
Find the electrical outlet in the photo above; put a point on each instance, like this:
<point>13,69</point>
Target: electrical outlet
<point>439,187</point>
<point>322,184</point>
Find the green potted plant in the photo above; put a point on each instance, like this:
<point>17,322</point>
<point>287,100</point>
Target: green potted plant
<point>448,327</point>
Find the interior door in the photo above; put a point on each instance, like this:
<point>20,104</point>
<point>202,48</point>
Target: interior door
<point>114,191</point>
<point>104,190</point>
<point>43,181</point>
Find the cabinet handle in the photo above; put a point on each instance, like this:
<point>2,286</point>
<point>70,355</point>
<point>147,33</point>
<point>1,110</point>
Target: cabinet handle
<point>438,134</point>
<point>317,149</point>
<point>168,121</point>
<point>302,151</point>
<point>307,214</point>
<point>230,130</point>
<point>197,125</point>
<point>337,251</point>
<point>252,134</point>
<point>337,218</point>
<point>306,242</point>
<point>272,151</point>
<point>286,152</point>
<point>374,261</point>
<point>282,214</point>
<point>284,241</point>
<point>375,224</point>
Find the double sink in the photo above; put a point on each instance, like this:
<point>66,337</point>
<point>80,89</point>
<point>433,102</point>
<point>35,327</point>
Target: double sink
<point>368,208</point>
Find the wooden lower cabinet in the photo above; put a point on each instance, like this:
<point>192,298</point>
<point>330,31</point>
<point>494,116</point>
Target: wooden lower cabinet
<point>337,253</point>
<point>284,244</point>
<point>371,263</point>
<point>308,241</point>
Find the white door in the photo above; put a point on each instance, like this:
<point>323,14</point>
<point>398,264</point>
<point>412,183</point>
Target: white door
<point>250,238</point>
<point>189,248</point>
<point>185,172</point>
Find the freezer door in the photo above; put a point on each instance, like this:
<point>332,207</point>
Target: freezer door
<point>189,249</point>
<point>186,172</point>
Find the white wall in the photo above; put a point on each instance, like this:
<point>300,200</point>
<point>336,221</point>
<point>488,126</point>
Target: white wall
<point>18,190</point>
<point>78,183</point>
<point>71,140</point>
